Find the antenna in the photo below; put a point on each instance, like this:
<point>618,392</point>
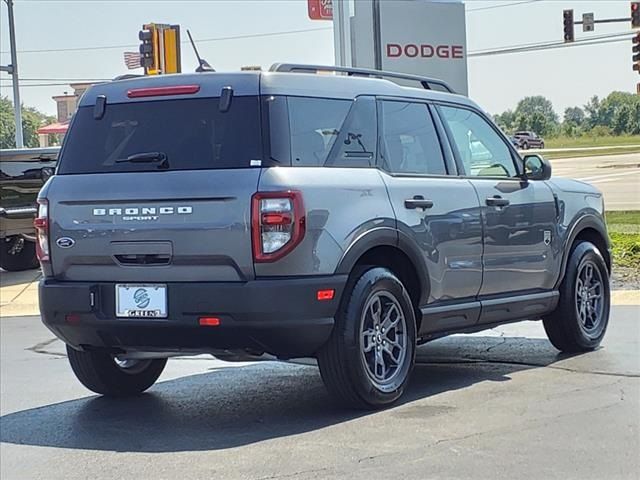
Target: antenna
<point>203,65</point>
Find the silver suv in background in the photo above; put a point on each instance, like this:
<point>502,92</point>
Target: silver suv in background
<point>339,217</point>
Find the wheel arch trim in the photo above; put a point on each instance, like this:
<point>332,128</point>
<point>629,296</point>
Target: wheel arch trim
<point>387,237</point>
<point>588,221</point>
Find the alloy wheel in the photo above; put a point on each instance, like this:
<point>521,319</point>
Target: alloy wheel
<point>383,340</point>
<point>589,298</point>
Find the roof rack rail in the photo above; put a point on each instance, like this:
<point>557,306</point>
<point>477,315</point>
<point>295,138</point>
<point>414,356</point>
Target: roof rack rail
<point>426,82</point>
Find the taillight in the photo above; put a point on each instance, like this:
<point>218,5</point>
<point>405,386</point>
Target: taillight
<point>42,230</point>
<point>278,224</point>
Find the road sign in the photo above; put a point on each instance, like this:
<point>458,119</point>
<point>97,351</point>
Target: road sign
<point>320,9</point>
<point>588,24</point>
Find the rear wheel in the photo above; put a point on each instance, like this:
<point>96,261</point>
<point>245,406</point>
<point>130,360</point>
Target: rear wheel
<point>368,359</point>
<point>107,375</point>
<point>17,254</point>
<point>580,321</point>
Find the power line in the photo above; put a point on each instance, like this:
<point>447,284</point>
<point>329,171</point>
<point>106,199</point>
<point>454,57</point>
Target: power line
<point>603,39</point>
<point>204,40</point>
<point>553,42</point>
<point>64,79</point>
<point>491,7</point>
<point>520,48</point>
<point>38,84</point>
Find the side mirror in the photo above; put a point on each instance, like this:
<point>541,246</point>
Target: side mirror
<point>536,167</point>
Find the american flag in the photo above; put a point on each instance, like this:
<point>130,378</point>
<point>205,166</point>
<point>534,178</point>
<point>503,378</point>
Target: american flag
<point>132,60</point>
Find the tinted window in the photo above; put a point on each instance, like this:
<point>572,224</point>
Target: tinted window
<point>314,125</point>
<point>483,151</point>
<point>410,140</point>
<point>193,134</point>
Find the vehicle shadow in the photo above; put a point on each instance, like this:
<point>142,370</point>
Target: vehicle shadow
<point>230,407</point>
<point>8,279</point>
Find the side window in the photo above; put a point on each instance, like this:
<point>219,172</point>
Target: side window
<point>314,124</point>
<point>483,152</point>
<point>356,142</point>
<point>409,139</point>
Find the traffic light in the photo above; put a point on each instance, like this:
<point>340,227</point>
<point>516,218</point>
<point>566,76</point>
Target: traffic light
<point>160,48</point>
<point>171,48</point>
<point>636,52</point>
<point>567,18</point>
<point>635,14</point>
<point>149,51</point>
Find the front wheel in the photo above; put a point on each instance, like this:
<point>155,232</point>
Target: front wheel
<point>107,375</point>
<point>368,359</point>
<point>580,320</point>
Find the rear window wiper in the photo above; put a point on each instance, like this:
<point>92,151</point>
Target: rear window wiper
<point>147,157</point>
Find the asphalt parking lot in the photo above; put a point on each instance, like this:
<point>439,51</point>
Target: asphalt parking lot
<point>498,404</point>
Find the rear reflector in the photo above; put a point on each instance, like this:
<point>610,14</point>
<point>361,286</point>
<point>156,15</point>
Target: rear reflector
<point>325,294</point>
<point>72,318</point>
<point>209,321</point>
<point>163,91</point>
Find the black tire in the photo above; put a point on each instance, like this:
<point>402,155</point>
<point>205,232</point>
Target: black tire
<point>525,146</point>
<point>343,360</point>
<point>17,254</point>
<point>541,145</point>
<point>564,326</point>
<point>99,372</point>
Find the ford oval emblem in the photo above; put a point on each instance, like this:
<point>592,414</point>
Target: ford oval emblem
<point>65,242</point>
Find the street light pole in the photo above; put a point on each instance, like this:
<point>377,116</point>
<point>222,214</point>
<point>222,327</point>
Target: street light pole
<point>13,71</point>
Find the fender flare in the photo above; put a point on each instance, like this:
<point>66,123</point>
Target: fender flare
<point>587,221</point>
<point>390,237</point>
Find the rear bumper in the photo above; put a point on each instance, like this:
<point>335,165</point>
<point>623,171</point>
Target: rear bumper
<point>279,316</point>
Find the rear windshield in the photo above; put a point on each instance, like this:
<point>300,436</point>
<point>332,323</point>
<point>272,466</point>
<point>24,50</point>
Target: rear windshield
<point>167,134</point>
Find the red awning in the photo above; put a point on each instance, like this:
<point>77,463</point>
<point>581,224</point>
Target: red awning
<point>54,128</point>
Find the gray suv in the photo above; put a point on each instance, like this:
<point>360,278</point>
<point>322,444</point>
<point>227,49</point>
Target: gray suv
<point>288,214</point>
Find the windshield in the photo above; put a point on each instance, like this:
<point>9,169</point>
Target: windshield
<point>192,134</point>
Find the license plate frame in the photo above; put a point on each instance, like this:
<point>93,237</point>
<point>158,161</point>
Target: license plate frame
<point>151,301</point>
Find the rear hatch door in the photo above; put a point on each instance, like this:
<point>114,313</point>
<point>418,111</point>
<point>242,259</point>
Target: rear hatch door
<point>157,190</point>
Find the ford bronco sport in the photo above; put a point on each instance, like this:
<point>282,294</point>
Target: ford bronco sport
<point>340,217</point>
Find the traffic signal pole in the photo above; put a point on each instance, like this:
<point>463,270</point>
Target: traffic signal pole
<point>12,70</point>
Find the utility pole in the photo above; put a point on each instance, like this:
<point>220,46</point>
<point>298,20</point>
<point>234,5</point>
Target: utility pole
<point>342,32</point>
<point>12,70</point>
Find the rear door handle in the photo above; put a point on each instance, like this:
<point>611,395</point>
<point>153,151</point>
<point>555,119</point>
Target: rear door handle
<point>418,201</point>
<point>497,201</point>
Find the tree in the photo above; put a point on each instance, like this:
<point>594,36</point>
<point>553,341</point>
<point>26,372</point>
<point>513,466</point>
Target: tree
<point>619,111</point>
<point>592,109</point>
<point>506,120</point>
<point>574,116</point>
<point>536,113</point>
<point>32,120</point>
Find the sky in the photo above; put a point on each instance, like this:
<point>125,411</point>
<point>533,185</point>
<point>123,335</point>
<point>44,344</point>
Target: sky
<point>567,76</point>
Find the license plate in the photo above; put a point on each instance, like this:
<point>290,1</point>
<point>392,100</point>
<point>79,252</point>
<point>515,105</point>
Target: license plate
<point>141,300</point>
